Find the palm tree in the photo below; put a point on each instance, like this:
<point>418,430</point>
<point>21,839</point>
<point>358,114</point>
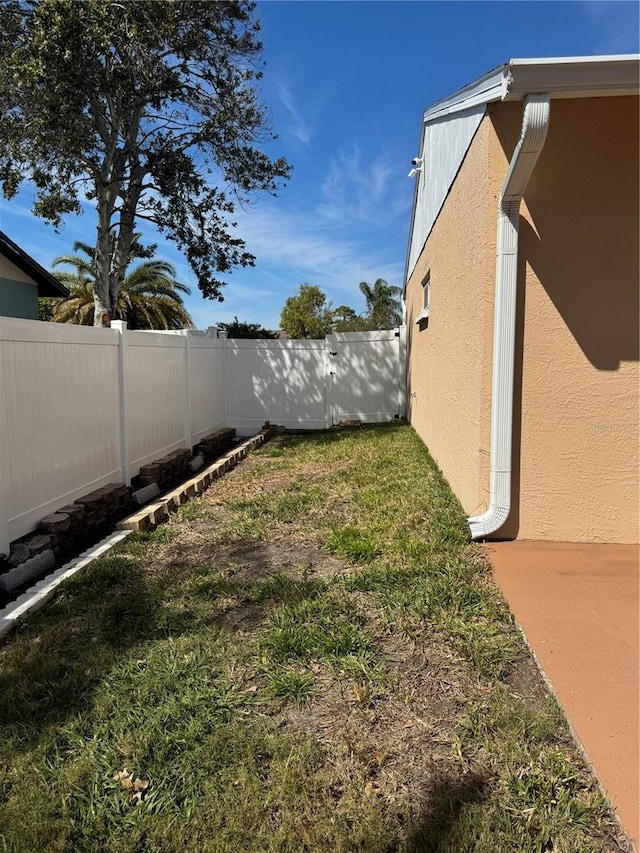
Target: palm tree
<point>383,304</point>
<point>149,296</point>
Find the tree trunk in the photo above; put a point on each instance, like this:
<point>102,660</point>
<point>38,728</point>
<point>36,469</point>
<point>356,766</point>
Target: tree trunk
<point>101,310</point>
<point>106,192</point>
<point>120,241</point>
<point>102,261</point>
<point>121,247</point>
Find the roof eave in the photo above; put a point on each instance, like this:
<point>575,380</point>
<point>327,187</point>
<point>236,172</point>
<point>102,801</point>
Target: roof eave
<point>574,77</point>
<point>48,285</point>
<point>560,77</point>
<point>489,87</point>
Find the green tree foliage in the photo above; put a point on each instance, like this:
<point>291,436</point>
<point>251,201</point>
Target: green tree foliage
<point>308,314</point>
<point>149,297</point>
<point>383,304</point>
<point>246,330</point>
<point>149,110</point>
<point>45,308</point>
<point>345,319</point>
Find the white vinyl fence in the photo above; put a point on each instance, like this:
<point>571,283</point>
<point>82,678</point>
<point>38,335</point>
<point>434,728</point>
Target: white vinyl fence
<point>82,407</point>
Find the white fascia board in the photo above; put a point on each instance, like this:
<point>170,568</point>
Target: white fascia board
<point>574,76</point>
<point>490,87</point>
<point>561,77</point>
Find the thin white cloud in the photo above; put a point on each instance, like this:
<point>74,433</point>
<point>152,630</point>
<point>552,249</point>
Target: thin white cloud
<point>250,298</point>
<point>614,25</point>
<point>296,246</point>
<point>373,193</point>
<point>249,303</point>
<point>9,210</point>
<point>36,237</point>
<point>298,127</point>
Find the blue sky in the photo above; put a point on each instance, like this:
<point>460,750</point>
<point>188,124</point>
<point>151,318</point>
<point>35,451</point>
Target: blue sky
<point>346,84</point>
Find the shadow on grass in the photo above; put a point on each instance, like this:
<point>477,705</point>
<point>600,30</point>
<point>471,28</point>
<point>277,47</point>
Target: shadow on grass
<point>51,667</point>
<point>449,798</point>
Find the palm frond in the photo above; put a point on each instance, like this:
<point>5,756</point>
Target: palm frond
<point>149,296</point>
<point>81,265</point>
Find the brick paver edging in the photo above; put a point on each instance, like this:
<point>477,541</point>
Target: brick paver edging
<point>158,511</point>
<point>43,591</point>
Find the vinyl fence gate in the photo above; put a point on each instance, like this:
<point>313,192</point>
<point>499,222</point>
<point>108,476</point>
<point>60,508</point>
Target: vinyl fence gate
<point>314,384</point>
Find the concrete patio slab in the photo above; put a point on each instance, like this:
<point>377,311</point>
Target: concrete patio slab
<point>577,605</point>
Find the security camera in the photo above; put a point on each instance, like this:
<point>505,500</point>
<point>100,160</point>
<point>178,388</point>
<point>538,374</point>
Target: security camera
<point>412,173</point>
<point>417,161</point>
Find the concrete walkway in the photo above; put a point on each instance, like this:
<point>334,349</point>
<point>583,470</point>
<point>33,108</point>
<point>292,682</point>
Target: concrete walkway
<point>578,607</point>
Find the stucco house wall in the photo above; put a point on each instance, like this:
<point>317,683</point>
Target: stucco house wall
<point>449,374</point>
<point>576,404</point>
<point>575,454</point>
<point>18,292</point>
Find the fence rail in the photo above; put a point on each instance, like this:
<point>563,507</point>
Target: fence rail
<point>82,407</point>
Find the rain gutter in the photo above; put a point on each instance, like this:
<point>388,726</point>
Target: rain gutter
<point>535,123</point>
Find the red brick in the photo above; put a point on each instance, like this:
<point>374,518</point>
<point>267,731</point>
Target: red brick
<point>41,542</point>
<point>150,470</point>
<point>90,502</point>
<point>59,522</point>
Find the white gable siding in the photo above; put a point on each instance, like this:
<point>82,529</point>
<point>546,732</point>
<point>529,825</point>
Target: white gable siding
<point>446,141</point>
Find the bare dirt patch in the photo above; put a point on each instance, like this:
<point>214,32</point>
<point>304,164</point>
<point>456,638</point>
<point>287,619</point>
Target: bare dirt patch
<point>247,560</point>
<point>397,742</point>
<point>255,561</point>
<point>523,679</point>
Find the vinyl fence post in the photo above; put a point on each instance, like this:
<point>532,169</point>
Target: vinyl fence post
<point>5,483</point>
<point>121,328</point>
<point>402,372</point>
<point>188,435</point>
<point>222,335</point>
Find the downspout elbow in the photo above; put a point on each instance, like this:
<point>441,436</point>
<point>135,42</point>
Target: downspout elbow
<point>482,526</point>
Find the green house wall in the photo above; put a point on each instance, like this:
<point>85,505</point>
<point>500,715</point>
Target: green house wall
<point>18,299</point>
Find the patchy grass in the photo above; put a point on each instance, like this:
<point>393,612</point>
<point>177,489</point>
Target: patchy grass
<point>311,656</point>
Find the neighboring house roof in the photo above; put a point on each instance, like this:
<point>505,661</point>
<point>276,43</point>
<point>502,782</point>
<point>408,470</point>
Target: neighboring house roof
<point>450,124</point>
<point>47,284</point>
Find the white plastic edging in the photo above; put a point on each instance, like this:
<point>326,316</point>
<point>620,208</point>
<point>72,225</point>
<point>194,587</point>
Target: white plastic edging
<point>44,590</point>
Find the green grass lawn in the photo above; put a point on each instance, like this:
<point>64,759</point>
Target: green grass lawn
<point>310,657</point>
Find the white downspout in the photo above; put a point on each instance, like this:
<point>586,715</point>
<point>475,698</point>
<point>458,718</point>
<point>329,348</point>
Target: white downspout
<point>535,122</point>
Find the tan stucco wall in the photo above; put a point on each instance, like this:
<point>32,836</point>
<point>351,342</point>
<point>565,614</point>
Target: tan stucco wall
<point>578,465</point>
<point>448,368</point>
<point>576,374</point>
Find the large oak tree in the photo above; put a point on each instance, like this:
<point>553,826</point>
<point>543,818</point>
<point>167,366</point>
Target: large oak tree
<point>147,109</point>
